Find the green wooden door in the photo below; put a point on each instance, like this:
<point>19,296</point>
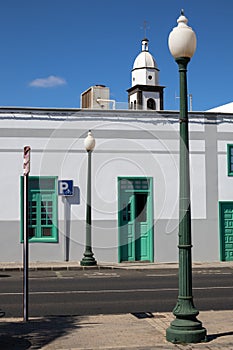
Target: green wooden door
<point>127,228</point>
<point>226,230</point>
<point>141,226</point>
<point>135,221</point>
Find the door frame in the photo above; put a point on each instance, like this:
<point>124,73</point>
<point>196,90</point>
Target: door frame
<point>221,229</point>
<point>151,216</point>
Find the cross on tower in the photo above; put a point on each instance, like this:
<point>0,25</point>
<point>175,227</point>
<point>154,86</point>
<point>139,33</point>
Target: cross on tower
<point>145,27</point>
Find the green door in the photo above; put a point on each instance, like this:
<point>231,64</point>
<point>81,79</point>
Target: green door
<point>127,242</point>
<point>135,220</point>
<point>226,230</point>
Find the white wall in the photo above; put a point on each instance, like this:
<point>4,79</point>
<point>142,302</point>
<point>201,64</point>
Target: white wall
<point>127,144</point>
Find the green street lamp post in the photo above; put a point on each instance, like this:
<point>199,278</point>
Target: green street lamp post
<point>88,259</point>
<point>185,328</point>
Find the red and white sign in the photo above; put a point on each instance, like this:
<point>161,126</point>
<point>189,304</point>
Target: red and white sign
<point>26,160</point>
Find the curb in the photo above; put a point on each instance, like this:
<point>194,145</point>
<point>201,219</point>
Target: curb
<point>57,266</point>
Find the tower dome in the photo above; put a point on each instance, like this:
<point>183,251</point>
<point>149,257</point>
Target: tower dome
<point>145,59</point>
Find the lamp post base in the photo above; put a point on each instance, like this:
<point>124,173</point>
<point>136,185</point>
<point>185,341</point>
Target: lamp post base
<point>186,330</point>
<point>88,261</point>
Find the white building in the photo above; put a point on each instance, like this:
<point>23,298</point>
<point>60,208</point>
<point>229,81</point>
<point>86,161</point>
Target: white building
<point>226,108</point>
<point>135,175</point>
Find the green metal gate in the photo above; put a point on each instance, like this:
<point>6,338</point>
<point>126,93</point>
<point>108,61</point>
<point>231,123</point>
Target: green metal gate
<point>135,217</point>
<point>226,230</point>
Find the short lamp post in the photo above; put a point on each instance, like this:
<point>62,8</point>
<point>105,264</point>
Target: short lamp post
<point>185,328</point>
<point>88,259</point>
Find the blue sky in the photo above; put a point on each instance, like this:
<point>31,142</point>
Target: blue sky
<point>53,50</point>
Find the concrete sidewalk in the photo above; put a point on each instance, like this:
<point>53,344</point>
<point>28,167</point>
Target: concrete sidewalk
<point>143,331</point>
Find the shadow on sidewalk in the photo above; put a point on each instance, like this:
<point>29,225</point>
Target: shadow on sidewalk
<point>35,333</point>
<point>211,337</point>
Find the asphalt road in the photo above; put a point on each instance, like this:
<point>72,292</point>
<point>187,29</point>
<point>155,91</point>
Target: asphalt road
<point>91,292</point>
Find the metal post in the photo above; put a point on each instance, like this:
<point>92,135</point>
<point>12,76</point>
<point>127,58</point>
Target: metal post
<point>26,171</point>
<point>185,328</point>
<point>25,251</point>
<point>88,259</point>
<point>67,229</point>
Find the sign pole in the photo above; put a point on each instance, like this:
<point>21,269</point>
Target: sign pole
<point>25,232</point>
<point>67,228</point>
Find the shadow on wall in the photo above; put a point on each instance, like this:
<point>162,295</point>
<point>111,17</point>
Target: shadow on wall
<point>36,333</point>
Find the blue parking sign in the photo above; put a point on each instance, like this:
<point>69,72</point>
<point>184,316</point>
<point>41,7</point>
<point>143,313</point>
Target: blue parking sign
<point>65,188</point>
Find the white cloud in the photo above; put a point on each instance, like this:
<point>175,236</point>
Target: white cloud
<point>48,82</point>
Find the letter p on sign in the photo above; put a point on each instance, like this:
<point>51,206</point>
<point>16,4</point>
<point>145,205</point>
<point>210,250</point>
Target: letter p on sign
<point>65,188</point>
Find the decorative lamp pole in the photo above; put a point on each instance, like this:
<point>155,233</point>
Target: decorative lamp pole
<point>186,328</point>
<point>88,259</point>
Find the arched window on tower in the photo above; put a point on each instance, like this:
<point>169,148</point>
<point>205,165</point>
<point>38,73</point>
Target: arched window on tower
<point>151,104</point>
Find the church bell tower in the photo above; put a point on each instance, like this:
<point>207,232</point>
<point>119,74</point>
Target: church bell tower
<point>145,92</point>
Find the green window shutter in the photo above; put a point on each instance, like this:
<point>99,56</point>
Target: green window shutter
<point>230,159</point>
<point>43,220</point>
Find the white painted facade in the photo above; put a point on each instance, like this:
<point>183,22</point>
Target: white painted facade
<point>128,144</point>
